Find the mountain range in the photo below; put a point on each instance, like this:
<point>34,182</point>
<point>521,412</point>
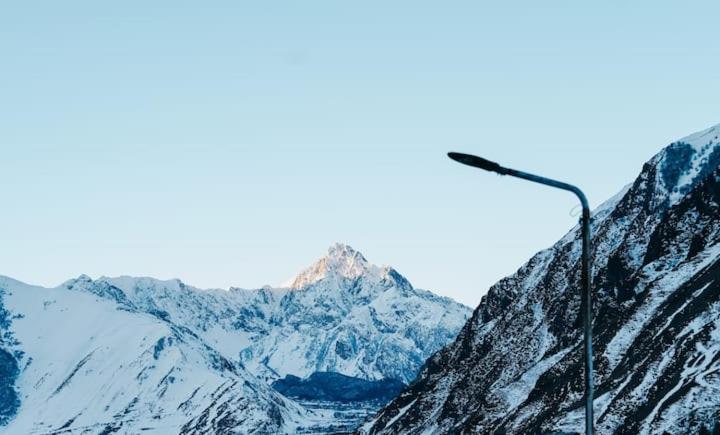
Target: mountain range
<point>141,355</point>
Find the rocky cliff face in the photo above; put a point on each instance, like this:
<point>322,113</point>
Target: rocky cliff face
<point>516,365</point>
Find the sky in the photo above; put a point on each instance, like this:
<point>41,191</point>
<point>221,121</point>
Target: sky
<point>231,143</point>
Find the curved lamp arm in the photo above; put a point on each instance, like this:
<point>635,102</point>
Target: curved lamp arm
<point>586,295</point>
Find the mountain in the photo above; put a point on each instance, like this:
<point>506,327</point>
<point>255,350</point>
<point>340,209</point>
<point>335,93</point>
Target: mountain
<point>134,355</point>
<point>347,316</point>
<point>516,365</point>
<point>341,315</point>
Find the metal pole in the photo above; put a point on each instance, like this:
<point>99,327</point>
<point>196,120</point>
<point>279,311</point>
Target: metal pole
<point>586,307</point>
<point>585,275</point>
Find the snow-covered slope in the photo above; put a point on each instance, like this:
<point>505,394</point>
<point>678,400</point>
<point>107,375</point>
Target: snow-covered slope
<point>516,368</point>
<point>134,355</point>
<point>90,367</point>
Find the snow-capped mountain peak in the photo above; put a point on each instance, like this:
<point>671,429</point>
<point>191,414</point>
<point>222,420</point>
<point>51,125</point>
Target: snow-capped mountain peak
<point>79,281</point>
<point>685,162</point>
<point>341,261</point>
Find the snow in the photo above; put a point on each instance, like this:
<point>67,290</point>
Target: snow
<point>515,393</point>
<point>660,291</point>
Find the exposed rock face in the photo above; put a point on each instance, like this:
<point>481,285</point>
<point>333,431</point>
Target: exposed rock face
<point>516,366</point>
<point>9,399</point>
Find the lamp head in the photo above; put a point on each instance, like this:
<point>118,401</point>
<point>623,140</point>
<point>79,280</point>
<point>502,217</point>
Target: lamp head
<point>478,162</point>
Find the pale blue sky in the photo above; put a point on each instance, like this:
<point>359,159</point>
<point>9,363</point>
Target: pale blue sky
<point>230,143</point>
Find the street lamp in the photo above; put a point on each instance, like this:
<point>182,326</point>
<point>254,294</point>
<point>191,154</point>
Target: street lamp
<point>586,297</point>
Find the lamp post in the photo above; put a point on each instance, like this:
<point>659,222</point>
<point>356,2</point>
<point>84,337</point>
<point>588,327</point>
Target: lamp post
<point>586,297</point>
